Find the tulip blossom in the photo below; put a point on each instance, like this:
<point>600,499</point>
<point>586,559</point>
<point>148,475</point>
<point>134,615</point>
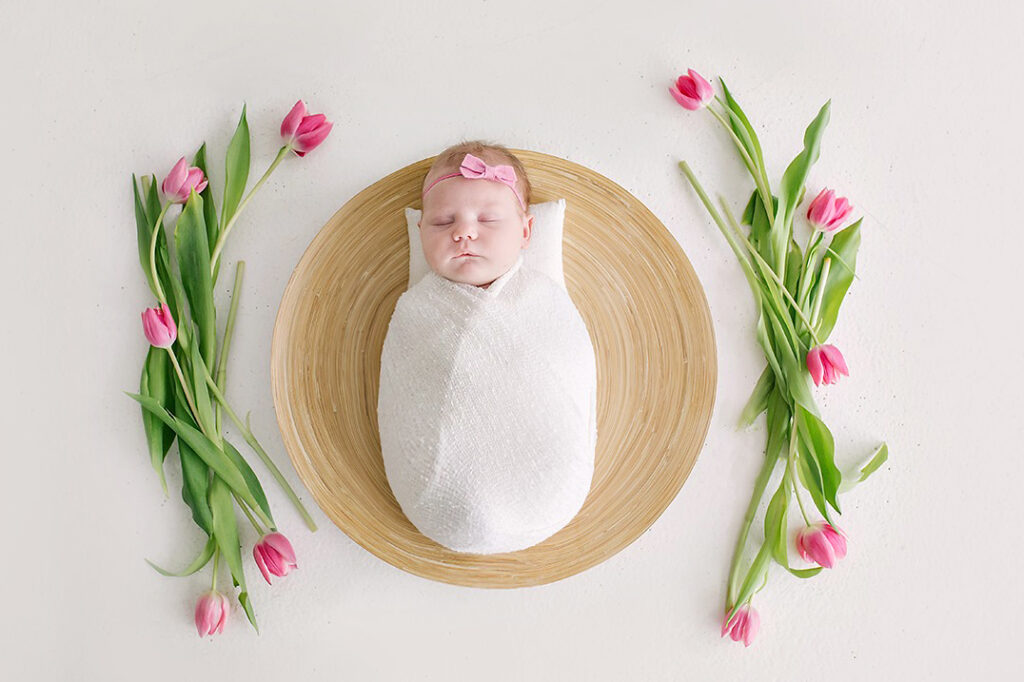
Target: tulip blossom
<point>274,555</point>
<point>827,211</point>
<point>304,133</point>
<point>826,363</point>
<point>159,327</point>
<point>212,613</point>
<point>744,624</point>
<point>822,543</point>
<point>181,181</point>
<point>692,91</point>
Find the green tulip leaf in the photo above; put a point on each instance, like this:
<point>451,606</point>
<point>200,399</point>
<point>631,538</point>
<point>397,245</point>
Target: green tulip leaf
<point>195,474</point>
<point>201,393</point>
<point>250,478</point>
<point>194,262</point>
<point>818,439</point>
<point>209,208</point>
<point>157,383</point>
<point>791,187</point>
<point>208,451</point>
<point>776,528</point>
<point>841,272</point>
<point>741,126</point>
<point>758,401</point>
<point>236,169</point>
<point>778,419</point>
<point>877,460</point>
<point>810,476</point>
<point>225,525</point>
<point>204,557</point>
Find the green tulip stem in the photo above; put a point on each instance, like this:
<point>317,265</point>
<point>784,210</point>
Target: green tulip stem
<point>809,250</point>
<point>755,500</point>
<point>251,440</point>
<point>791,462</point>
<point>222,361</point>
<point>227,228</point>
<point>822,281</point>
<point>216,558</point>
<point>152,253</point>
<point>188,396</point>
<point>782,285</point>
<point>245,508</point>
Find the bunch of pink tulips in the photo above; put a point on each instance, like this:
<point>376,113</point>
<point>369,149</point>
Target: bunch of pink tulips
<point>183,378</point>
<point>798,294</point>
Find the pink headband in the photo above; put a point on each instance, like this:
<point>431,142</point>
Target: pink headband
<point>475,168</point>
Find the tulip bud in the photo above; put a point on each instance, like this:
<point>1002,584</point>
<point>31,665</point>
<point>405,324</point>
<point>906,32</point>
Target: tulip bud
<point>180,182</point>
<point>211,613</point>
<point>826,363</point>
<point>692,91</point>
<point>304,133</point>
<point>822,543</point>
<point>744,624</point>
<point>826,212</point>
<point>158,325</point>
<point>274,555</point>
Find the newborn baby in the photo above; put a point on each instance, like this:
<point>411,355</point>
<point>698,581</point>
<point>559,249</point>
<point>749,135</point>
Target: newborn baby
<point>487,403</point>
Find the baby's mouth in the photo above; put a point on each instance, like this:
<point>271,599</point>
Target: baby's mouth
<point>467,255</point>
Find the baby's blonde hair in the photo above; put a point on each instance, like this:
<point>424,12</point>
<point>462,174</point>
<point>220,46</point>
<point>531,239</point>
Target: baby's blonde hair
<point>449,160</point>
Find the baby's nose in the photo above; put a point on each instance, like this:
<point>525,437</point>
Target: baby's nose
<point>465,230</point>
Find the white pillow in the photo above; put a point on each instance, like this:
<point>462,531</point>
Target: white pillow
<point>544,252</point>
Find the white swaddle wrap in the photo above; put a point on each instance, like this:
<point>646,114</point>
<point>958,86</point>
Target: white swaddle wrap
<point>487,410</point>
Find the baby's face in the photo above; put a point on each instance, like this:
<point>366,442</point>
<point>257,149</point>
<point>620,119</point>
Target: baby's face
<point>472,216</point>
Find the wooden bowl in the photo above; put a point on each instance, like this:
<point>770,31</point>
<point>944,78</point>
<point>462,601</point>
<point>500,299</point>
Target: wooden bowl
<point>656,371</point>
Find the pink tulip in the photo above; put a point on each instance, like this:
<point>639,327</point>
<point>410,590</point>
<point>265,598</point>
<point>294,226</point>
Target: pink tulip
<point>181,180</point>
<point>159,327</point>
<point>274,555</point>
<point>822,543</point>
<point>743,626</point>
<point>304,133</point>
<point>212,613</point>
<point>826,363</point>
<point>827,212</point>
<point>692,91</point>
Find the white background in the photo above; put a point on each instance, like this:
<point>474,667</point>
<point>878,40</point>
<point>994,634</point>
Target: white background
<point>924,139</point>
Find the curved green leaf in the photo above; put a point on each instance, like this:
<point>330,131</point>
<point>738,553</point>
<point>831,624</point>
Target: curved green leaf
<point>195,474</point>
<point>157,382</point>
<point>776,528</point>
<point>201,393</point>
<point>818,440</point>
<point>791,187</point>
<point>845,244</point>
<point>214,458</point>
<point>758,401</point>
<point>741,126</point>
<point>204,557</point>
<point>225,526</point>
<point>250,478</point>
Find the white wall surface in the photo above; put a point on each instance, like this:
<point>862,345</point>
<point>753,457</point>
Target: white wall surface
<point>924,138</point>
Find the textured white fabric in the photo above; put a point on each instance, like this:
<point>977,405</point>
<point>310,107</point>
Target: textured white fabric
<point>487,410</point>
<point>544,252</point>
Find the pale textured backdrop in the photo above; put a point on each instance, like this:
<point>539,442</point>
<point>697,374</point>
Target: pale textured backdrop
<point>924,139</point>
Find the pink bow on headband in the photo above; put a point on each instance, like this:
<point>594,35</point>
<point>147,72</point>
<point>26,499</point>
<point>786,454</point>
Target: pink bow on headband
<point>476,168</point>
